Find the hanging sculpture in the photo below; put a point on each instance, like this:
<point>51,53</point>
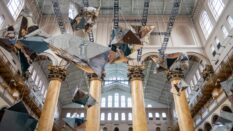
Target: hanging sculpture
<point>86,19</point>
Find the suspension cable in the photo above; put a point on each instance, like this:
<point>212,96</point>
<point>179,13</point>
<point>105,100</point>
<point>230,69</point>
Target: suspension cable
<point>143,21</point>
<point>174,13</point>
<point>90,33</point>
<point>58,14</point>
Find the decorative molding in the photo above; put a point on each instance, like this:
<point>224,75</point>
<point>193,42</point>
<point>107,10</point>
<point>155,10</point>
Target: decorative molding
<point>135,73</point>
<point>57,72</point>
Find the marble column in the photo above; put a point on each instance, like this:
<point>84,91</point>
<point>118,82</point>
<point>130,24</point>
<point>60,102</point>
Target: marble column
<point>138,106</point>
<point>57,75</point>
<point>93,113</point>
<point>185,120</point>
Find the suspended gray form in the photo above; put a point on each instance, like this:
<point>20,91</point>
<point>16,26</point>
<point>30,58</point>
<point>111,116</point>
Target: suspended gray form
<point>17,118</point>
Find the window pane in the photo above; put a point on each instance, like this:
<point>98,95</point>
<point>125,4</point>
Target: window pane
<point>82,114</point>
<point>216,7</point>
<point>150,115</point>
<point>116,117</point>
<point>205,24</point>
<point>122,101</point>
<point>164,115</point>
<point>130,116</point>
<point>15,6</point>
<point>109,116</point>
<point>103,102</point>
<point>116,100</point>
<point>230,21</point>
<point>109,101</point>
<point>225,32</point>
<point>129,102</point>
<point>102,117</point>
<point>149,105</point>
<point>67,114</point>
<point>122,116</point>
<point>157,115</point>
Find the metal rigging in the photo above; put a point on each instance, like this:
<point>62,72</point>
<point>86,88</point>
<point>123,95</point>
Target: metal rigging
<point>167,34</point>
<point>58,14</point>
<point>143,21</point>
<point>90,33</point>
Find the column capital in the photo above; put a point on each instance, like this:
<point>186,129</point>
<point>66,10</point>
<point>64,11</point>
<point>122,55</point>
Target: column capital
<point>175,75</point>
<point>207,72</point>
<point>135,72</point>
<point>93,76</point>
<point>57,73</point>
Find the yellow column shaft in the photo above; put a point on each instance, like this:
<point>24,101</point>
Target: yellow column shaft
<point>93,113</point>
<point>138,106</point>
<point>185,120</point>
<point>47,115</point>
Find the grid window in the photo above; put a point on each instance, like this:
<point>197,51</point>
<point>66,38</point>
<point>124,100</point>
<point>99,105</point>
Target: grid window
<point>116,100</point>
<point>102,117</point>
<point>225,32</point>
<point>130,116</point>
<point>1,21</point>
<point>109,116</point>
<point>116,117</point>
<point>122,101</point>
<point>230,21</point>
<point>72,11</point>
<point>205,24</point>
<point>123,116</point>
<point>109,101</point>
<point>103,102</point>
<point>129,102</point>
<point>216,7</point>
<point>15,6</point>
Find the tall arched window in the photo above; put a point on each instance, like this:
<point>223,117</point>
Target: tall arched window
<point>109,101</point>
<point>102,116</point>
<point>205,24</point>
<point>116,116</point>
<point>116,100</point>
<point>122,101</point>
<point>109,116</point>
<point>129,102</point>
<point>103,102</point>
<point>123,116</point>
<point>15,6</point>
<point>216,7</point>
<point>130,116</point>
